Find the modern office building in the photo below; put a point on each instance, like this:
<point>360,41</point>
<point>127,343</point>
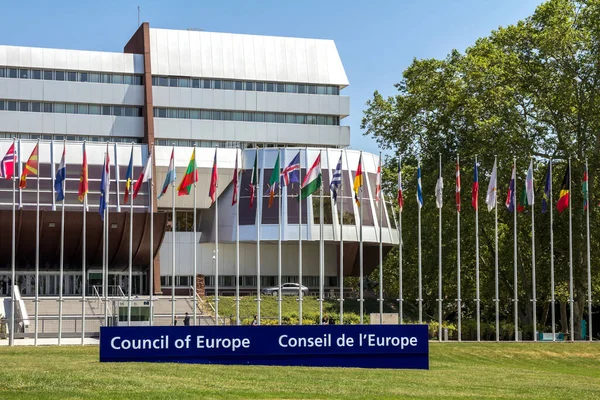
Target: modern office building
<point>221,92</point>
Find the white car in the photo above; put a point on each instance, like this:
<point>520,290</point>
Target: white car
<point>286,289</point>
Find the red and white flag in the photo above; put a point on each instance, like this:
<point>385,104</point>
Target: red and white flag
<point>234,198</point>
<point>378,182</point>
<point>457,186</point>
<point>145,176</point>
<point>7,166</point>
<point>400,195</point>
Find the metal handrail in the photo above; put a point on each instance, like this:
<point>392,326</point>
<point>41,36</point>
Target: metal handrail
<point>213,312</point>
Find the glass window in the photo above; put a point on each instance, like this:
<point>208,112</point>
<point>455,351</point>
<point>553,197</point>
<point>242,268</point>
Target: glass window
<point>321,90</point>
<point>301,119</point>
<point>24,73</point>
<point>280,88</point>
<point>173,82</point>
<point>270,87</point>
<point>83,77</point>
<point>137,80</point>
<point>82,109</point>
<point>163,81</point>
<point>329,120</point>
<point>128,79</point>
<point>259,117</point>
<point>311,119</point>
<point>59,108</point>
<point>228,85</point>
<point>94,109</point>
<point>1,106</point>
<point>184,114</point>
<point>36,74</point>
<point>238,116</point>
<point>23,106</point>
<point>94,77</point>
<point>128,111</point>
<point>249,85</point>
<point>195,114</point>
<point>269,117</point>
<point>48,75</point>
<point>71,108</point>
<point>196,83</point>
<point>280,118</point>
<point>206,83</point>
<point>11,105</point>
<point>320,120</point>
<point>155,81</point>
<point>239,85</point>
<point>184,82</point>
<point>206,114</point>
<point>106,78</point>
<point>13,73</point>
<point>248,116</point>
<point>48,107</point>
<point>216,115</point>
<point>290,118</point>
<point>226,115</point>
<point>301,88</point>
<point>72,76</point>
<point>289,88</point>
<point>117,111</point>
<point>162,113</point>
<point>60,75</point>
<point>106,110</point>
<point>117,78</point>
<point>312,89</point>
<point>216,84</point>
<point>172,113</point>
<point>2,72</point>
<point>260,87</point>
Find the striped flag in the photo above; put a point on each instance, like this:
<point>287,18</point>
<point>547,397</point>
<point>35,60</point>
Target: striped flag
<point>400,194</point>
<point>214,178</point>
<point>83,178</point>
<point>273,181</point>
<point>61,175</point>
<point>234,197</point>
<point>128,178</point>
<point>7,166</point>
<point>565,192</point>
<point>336,181</point>
<point>171,175</point>
<point>145,176</point>
<point>457,186</point>
<point>358,179</point>
<point>584,189</point>
<point>475,191</point>
<point>313,179</point>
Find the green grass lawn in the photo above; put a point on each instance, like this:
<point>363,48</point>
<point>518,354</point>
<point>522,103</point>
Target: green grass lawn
<point>465,370</point>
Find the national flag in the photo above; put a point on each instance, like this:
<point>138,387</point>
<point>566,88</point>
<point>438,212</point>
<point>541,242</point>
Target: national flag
<point>7,166</point>
<point>457,190</point>
<point>378,182</point>
<point>584,189</point>
<point>128,178</point>
<point>358,179</point>
<point>419,187</point>
<point>336,181</point>
<point>171,175</point>
<point>31,168</point>
<point>190,177</point>
<point>234,197</point>
<point>492,192</point>
<point>511,196</point>
<point>529,184</point>
<point>313,179</point>
<point>61,175</point>
<point>523,203</point>
<point>439,189</point>
<point>291,173</point>
<point>546,195</point>
<point>145,176</point>
<point>214,178</point>
<point>254,179</point>
<point>400,194</point>
<point>273,181</point>
<point>104,185</point>
<point>475,191</point>
<point>563,196</point>
<point>83,178</point>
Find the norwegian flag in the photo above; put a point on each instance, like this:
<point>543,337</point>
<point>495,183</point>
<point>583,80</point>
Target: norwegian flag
<point>457,186</point>
<point>7,166</point>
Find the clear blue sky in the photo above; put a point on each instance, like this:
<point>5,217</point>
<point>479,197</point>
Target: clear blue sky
<point>376,39</point>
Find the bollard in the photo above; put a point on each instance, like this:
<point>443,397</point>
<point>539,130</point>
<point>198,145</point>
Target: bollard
<point>445,334</point>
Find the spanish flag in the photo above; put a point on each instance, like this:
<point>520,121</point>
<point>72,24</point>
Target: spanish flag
<point>358,179</point>
<point>31,168</point>
<point>563,197</point>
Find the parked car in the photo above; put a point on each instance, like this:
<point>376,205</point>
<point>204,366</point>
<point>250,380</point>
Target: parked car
<point>286,289</point>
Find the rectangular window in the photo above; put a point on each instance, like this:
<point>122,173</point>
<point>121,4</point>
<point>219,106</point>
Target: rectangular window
<point>311,119</point>
<point>162,113</point>
<point>163,81</point>
<point>195,114</point>
<point>269,117</point>
<point>59,108</point>
<point>117,111</point>
<point>2,72</point>
<point>301,119</point>
<point>280,88</point>
<point>60,75</point>
<point>301,88</point>
<point>155,81</point>
<point>280,118</point>
<point>184,82</point>
<point>83,77</point>
<point>82,109</point>
<point>238,116</point>
<point>172,113</point>
<point>13,73</point>
<point>48,75</point>
<point>94,77</point>
<point>128,79</point>
<point>48,107</point>
<point>23,106</point>
<point>106,78</point>
<point>216,115</point>
<point>184,114</point>
<point>239,85</point>
<point>206,84</point>
<point>36,74</point>
<point>71,108</point>
<point>227,115</point>
<point>259,117</point>
<point>320,120</point>
<point>289,88</point>
<point>260,87</point>
<point>249,85</point>
<point>94,109</point>
<point>106,110</point>
<point>137,80</point>
<point>1,104</point>
<point>128,111</point>
<point>72,76</point>
<point>216,84</point>
<point>290,118</point>
<point>321,90</point>
<point>24,73</point>
<point>312,89</point>
<point>11,105</point>
<point>206,114</point>
<point>248,116</point>
<point>195,83</point>
<point>117,78</point>
<point>270,87</point>
<point>329,120</point>
<point>228,85</point>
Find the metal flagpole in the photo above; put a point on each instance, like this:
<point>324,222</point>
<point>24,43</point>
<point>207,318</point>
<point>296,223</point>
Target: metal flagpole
<point>195,254</point>
<point>62,252</point>
<point>83,262</point>
<point>381,203</point>
<point>151,259</point>
<point>300,292</point>
<point>533,292</point>
<point>104,278</point>
<point>400,289</point>
<point>360,211</point>
<point>458,293</point>
<point>279,299</point>
<point>174,230</point>
<point>496,289</point>
<point>477,282</point>
<point>420,299</point>
<point>572,330</point>
<point>11,336</point>
<point>258,222</point>
<point>440,261</point>
<point>321,253</point>
<point>515,282</point>
<point>552,298</point>
<point>342,244</point>
<point>37,251</point>
<point>237,240</point>
<point>589,268</point>
<point>106,236</point>
<point>216,248</point>
<point>130,276</point>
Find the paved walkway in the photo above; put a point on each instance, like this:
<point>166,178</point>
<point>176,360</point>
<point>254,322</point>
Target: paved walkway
<point>51,342</point>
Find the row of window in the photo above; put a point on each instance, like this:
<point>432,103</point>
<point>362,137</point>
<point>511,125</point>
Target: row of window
<point>247,280</point>
<point>172,81</point>
<point>70,108</point>
<point>70,138</point>
<point>71,76</point>
<point>214,115</point>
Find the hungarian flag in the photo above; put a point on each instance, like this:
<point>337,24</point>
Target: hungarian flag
<point>128,178</point>
<point>212,193</point>
<point>7,166</point>
<point>254,179</point>
<point>358,179</point>
<point>378,182</point>
<point>400,194</point>
<point>83,178</point>
<point>273,181</point>
<point>145,176</point>
<point>312,180</point>
<point>563,196</point>
<point>190,177</point>
<point>31,168</point>
<point>234,198</point>
<point>584,189</point>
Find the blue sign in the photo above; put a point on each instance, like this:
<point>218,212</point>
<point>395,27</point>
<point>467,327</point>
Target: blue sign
<point>363,346</point>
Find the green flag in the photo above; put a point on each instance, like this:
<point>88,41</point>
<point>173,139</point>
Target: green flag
<point>273,181</point>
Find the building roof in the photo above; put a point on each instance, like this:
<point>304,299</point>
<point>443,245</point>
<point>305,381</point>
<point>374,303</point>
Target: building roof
<point>245,57</point>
